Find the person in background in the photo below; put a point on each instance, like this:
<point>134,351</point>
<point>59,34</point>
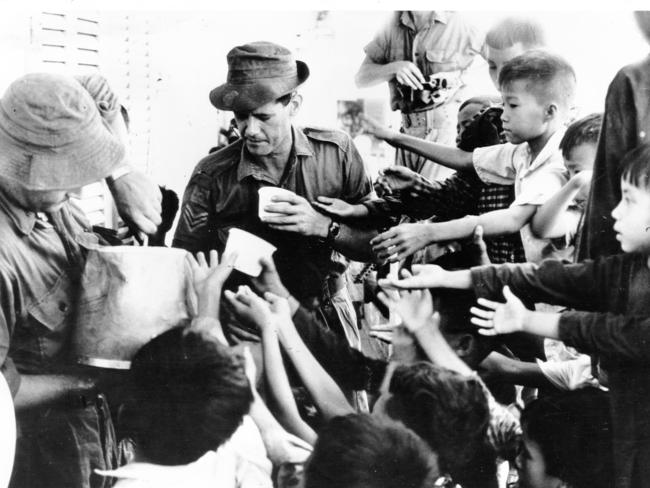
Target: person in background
<point>626,125</point>
<point>417,53</point>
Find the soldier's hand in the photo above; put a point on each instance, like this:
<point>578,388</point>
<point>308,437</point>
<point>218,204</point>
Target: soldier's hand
<point>296,214</point>
<point>407,73</point>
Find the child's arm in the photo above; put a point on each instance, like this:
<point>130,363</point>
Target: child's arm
<point>403,240</point>
<point>429,276</point>
<point>551,219</point>
<point>449,156</point>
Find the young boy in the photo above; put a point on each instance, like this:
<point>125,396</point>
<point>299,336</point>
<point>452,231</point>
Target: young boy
<point>613,297</point>
<point>537,89</point>
<point>561,215</point>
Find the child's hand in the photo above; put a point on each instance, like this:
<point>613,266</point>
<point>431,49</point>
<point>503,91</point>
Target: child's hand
<point>400,178</point>
<point>250,308</point>
<point>373,128</point>
<point>401,241</point>
<point>269,279</point>
<point>414,307</point>
<point>339,208</point>
<point>279,307</point>
<point>424,276</point>
<point>208,280</point>
<point>500,318</point>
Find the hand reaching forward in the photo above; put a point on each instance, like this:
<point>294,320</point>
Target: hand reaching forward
<point>340,208</point>
<point>500,318</point>
<point>208,279</point>
<point>415,307</point>
<point>401,241</point>
<point>424,276</point>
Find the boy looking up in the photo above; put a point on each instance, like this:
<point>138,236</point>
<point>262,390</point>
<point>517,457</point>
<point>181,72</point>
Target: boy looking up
<point>613,299</point>
<point>537,89</point>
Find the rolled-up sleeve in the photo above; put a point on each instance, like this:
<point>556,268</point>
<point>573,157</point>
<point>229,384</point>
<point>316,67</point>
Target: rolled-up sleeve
<point>496,164</point>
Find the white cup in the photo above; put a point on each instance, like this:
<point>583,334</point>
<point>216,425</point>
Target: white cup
<point>250,249</point>
<point>266,193</point>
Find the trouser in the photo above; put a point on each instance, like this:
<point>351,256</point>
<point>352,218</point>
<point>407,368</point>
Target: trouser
<point>436,125</point>
<point>61,447</point>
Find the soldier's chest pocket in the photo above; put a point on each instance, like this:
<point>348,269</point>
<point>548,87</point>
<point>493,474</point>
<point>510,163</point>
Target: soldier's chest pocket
<point>51,315</point>
<point>438,60</point>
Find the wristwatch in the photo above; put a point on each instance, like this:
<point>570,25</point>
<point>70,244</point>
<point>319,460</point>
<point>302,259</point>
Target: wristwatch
<point>332,232</point>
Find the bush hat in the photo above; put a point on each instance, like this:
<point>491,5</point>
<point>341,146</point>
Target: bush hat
<point>52,136</point>
<point>258,73</point>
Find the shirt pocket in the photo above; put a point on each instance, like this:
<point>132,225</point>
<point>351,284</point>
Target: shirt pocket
<point>439,60</point>
<point>51,318</point>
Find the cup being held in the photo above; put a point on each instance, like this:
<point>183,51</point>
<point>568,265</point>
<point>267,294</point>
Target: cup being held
<point>266,193</point>
<point>249,249</point>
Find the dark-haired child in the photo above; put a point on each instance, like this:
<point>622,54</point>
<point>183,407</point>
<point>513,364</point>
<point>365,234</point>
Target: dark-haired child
<point>537,89</point>
<point>360,451</point>
<point>612,295</point>
<point>567,441</point>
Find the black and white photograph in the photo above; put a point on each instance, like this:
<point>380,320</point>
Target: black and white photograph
<point>259,245</point>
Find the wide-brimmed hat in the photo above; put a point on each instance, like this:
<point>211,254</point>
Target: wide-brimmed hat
<point>52,136</point>
<point>258,73</point>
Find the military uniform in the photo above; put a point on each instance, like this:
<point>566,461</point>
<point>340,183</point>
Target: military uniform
<point>222,193</point>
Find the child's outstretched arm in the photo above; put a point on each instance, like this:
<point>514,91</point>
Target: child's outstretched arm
<point>429,276</point>
<point>449,156</point>
<point>403,240</point>
<point>551,219</point>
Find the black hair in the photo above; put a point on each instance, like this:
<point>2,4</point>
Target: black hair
<point>583,131</point>
<point>190,395</point>
<point>573,432</point>
<point>549,77</point>
<point>513,30</point>
<point>484,101</point>
<point>450,412</point>
<point>360,451</point>
<point>636,167</point>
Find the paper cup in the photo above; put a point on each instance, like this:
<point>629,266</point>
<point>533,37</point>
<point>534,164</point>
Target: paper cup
<point>266,193</point>
<point>250,249</point>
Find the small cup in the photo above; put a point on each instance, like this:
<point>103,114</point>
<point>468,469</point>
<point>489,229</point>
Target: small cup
<point>266,193</point>
<point>250,249</point>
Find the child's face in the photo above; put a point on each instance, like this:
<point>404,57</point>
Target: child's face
<point>632,216</point>
<point>524,118</point>
<point>532,467</point>
<point>465,117</point>
<point>496,58</point>
<point>581,158</point>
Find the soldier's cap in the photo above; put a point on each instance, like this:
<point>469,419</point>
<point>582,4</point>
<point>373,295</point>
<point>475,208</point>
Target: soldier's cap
<point>52,136</point>
<point>258,73</point>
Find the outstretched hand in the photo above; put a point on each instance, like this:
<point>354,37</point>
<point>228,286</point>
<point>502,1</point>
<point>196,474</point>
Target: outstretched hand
<point>401,241</point>
<point>500,318</point>
<point>415,307</point>
<point>339,208</point>
<point>208,279</point>
<point>424,276</point>
<point>374,128</point>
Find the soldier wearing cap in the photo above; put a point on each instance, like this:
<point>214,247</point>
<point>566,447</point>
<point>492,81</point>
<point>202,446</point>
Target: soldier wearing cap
<point>222,192</point>
<point>52,141</point>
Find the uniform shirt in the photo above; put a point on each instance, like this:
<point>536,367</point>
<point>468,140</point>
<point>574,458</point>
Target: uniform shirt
<point>222,193</point>
<point>535,181</point>
<point>37,291</point>
<point>447,43</point>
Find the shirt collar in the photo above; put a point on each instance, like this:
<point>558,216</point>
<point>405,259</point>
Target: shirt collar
<point>301,147</point>
<point>549,150</point>
<point>24,220</point>
<point>406,19</point>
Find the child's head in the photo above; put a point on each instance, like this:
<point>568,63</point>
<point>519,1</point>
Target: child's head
<point>190,395</point>
<point>579,143</point>
<point>511,37</point>
<point>537,89</point>
<point>360,451</point>
<point>448,410</point>
<point>567,438</point>
<point>468,110</point>
<point>632,214</point>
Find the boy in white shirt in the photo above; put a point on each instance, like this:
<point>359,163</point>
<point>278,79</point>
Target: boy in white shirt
<point>538,90</point>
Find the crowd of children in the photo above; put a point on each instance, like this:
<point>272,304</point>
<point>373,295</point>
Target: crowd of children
<point>513,361</point>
